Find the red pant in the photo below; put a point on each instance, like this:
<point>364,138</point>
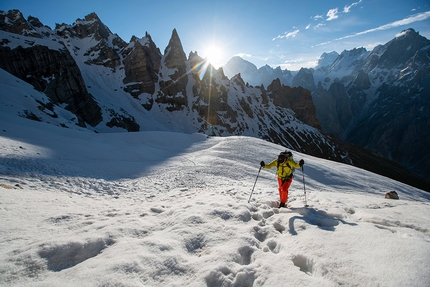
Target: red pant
<point>283,189</point>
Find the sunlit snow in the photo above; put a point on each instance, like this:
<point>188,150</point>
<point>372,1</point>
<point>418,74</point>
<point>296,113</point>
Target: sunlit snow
<point>80,208</point>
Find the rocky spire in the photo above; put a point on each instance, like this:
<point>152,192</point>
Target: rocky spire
<point>173,86</point>
<point>13,21</point>
<point>175,56</point>
<point>141,66</point>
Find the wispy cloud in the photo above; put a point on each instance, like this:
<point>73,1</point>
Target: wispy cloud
<point>287,35</point>
<point>319,25</point>
<point>242,55</point>
<point>332,14</point>
<point>297,63</point>
<point>347,8</point>
<point>405,21</point>
<point>308,26</point>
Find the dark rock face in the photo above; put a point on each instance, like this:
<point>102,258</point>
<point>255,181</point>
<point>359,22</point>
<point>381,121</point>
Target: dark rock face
<point>297,99</point>
<point>304,79</point>
<point>381,100</point>
<point>65,84</point>
<point>53,72</point>
<point>402,133</point>
<point>397,122</point>
<point>141,66</point>
<point>173,86</point>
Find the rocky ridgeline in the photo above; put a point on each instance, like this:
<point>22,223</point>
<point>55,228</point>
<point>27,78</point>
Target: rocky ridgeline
<point>166,80</point>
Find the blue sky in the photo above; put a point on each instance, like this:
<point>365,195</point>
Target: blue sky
<point>288,33</point>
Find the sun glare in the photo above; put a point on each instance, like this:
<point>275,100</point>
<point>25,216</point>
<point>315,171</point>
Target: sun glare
<point>214,55</point>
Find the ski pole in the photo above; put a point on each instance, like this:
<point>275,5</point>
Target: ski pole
<point>254,184</point>
<point>304,186</point>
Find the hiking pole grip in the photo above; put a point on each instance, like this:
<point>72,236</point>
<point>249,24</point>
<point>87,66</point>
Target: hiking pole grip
<point>254,184</point>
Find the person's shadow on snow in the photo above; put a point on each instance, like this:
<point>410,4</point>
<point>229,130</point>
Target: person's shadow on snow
<point>315,217</point>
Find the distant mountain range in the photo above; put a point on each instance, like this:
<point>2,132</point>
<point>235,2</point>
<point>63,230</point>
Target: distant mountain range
<point>83,76</point>
<point>379,99</point>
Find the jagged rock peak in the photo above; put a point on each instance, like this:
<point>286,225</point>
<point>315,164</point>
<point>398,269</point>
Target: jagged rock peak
<point>145,41</point>
<point>175,34</point>
<point>13,21</point>
<point>402,48</point>
<point>194,54</point>
<point>83,28</point>
<point>175,55</point>
<point>194,57</point>
<point>35,22</point>
<point>88,19</point>
<point>408,33</point>
<point>238,79</point>
<point>92,17</point>
<point>13,16</point>
<point>412,36</point>
<point>353,52</point>
<point>174,43</point>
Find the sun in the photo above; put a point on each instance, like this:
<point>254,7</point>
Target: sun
<point>213,54</point>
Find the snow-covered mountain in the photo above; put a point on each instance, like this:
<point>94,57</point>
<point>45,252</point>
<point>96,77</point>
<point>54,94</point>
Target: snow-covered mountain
<point>326,60</point>
<point>376,99</point>
<point>83,76</point>
<point>110,85</point>
<point>256,77</point>
<point>380,100</point>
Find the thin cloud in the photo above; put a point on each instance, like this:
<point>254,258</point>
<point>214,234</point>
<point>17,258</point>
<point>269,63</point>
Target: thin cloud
<point>347,8</point>
<point>319,25</point>
<point>332,14</point>
<point>308,26</point>
<point>316,17</point>
<point>405,21</point>
<point>296,64</point>
<point>287,35</point>
<point>242,55</point>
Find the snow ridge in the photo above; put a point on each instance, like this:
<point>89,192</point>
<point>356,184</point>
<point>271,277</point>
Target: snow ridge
<point>163,208</point>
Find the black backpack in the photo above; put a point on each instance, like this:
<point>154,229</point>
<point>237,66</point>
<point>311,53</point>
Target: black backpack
<point>284,155</point>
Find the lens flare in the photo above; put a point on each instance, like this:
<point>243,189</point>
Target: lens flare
<point>201,68</point>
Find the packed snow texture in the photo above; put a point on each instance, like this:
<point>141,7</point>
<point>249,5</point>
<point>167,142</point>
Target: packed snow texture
<point>79,208</point>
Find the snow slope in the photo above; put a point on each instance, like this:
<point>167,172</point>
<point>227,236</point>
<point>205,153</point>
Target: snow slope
<point>169,209</point>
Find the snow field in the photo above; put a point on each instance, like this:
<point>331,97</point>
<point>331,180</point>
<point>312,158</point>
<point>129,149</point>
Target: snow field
<point>160,208</point>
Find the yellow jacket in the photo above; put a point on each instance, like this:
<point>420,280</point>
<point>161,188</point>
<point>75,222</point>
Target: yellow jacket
<point>285,169</point>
